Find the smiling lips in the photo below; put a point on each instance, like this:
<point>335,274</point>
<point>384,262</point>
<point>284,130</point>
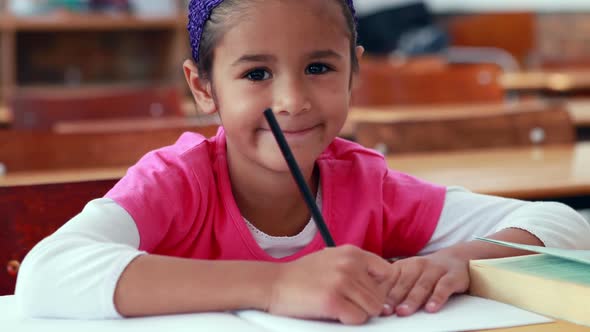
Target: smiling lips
<point>296,132</point>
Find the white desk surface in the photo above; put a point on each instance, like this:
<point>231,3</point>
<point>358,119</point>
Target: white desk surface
<point>461,313</point>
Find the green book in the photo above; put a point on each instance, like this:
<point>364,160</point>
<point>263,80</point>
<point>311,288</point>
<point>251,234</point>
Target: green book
<point>556,282</point>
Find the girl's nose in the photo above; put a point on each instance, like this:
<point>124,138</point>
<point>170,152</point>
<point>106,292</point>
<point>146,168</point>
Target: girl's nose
<point>291,97</point>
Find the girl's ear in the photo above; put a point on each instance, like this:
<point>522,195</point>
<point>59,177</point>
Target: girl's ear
<point>360,51</point>
<point>200,88</point>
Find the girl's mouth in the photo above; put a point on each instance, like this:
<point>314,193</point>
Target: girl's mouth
<point>296,133</point>
<point>300,131</point>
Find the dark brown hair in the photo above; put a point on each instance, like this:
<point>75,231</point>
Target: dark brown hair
<point>230,10</point>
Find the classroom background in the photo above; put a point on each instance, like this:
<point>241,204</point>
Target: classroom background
<point>490,95</point>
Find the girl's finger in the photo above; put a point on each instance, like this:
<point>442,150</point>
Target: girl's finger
<point>420,292</point>
<point>387,285</point>
<point>365,293</point>
<point>348,312</point>
<point>446,286</point>
<point>377,267</point>
<point>408,275</point>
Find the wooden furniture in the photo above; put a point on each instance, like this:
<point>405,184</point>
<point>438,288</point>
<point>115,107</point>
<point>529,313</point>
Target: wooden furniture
<point>99,145</point>
<point>66,50</point>
<point>389,82</point>
<point>518,172</point>
<point>540,124</point>
<point>547,80</point>
<point>70,175</point>
<point>44,108</point>
<point>558,326</point>
<point>393,82</point>
<point>510,31</point>
<point>579,110</point>
<point>188,108</point>
<point>31,211</point>
<point>561,41</point>
<point>202,123</point>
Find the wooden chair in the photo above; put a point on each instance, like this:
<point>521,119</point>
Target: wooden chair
<point>28,213</point>
<point>383,82</point>
<point>546,123</point>
<point>514,32</point>
<point>41,109</point>
<point>91,145</point>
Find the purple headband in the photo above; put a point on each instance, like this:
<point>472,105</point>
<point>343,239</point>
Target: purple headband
<point>199,12</point>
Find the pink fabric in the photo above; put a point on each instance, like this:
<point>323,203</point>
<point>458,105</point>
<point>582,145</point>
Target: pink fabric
<point>181,200</point>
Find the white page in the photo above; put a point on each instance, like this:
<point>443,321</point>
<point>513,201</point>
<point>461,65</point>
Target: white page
<point>580,256</point>
<point>12,320</point>
<point>462,313</point>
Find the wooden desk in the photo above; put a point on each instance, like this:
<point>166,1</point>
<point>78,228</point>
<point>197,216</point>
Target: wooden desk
<point>559,81</point>
<point>579,110</point>
<point>91,144</point>
<point>188,108</point>
<point>531,173</point>
<point>61,176</point>
<point>107,126</point>
<point>558,326</point>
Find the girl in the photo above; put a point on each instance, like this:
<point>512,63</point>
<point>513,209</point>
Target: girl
<point>219,224</point>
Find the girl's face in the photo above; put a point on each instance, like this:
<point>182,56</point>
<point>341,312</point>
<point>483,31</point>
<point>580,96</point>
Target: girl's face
<point>294,57</point>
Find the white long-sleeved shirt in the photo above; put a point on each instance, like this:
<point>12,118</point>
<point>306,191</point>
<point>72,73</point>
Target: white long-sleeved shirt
<point>74,272</point>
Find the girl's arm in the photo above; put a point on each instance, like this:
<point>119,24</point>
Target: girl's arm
<point>466,214</point>
<point>429,280</point>
<point>155,285</point>
<point>91,268</point>
<point>73,273</point>
<point>344,283</point>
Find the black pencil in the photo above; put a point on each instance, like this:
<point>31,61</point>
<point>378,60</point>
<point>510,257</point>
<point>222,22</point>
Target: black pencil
<point>296,172</point>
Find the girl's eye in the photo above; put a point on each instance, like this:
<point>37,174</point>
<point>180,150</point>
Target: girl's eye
<point>257,75</point>
<point>317,69</point>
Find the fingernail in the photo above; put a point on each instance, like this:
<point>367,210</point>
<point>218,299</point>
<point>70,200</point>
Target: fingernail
<point>431,306</point>
<point>387,309</point>
<point>403,309</point>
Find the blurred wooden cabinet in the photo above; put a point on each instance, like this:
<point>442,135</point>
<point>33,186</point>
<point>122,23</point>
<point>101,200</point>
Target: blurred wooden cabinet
<point>65,50</point>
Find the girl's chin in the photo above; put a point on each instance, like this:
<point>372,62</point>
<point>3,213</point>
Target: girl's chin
<point>277,163</point>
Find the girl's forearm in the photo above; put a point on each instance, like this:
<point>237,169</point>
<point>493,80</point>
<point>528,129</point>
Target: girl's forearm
<point>157,285</point>
<point>483,250</point>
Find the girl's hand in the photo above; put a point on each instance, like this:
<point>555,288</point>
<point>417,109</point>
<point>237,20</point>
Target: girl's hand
<point>426,281</point>
<point>343,283</point>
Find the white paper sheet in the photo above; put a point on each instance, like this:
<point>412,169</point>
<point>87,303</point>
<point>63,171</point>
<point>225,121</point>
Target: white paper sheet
<point>462,313</point>
<point>12,320</point>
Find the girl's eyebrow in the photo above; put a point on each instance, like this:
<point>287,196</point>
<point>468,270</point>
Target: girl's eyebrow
<point>319,54</point>
<point>255,58</point>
